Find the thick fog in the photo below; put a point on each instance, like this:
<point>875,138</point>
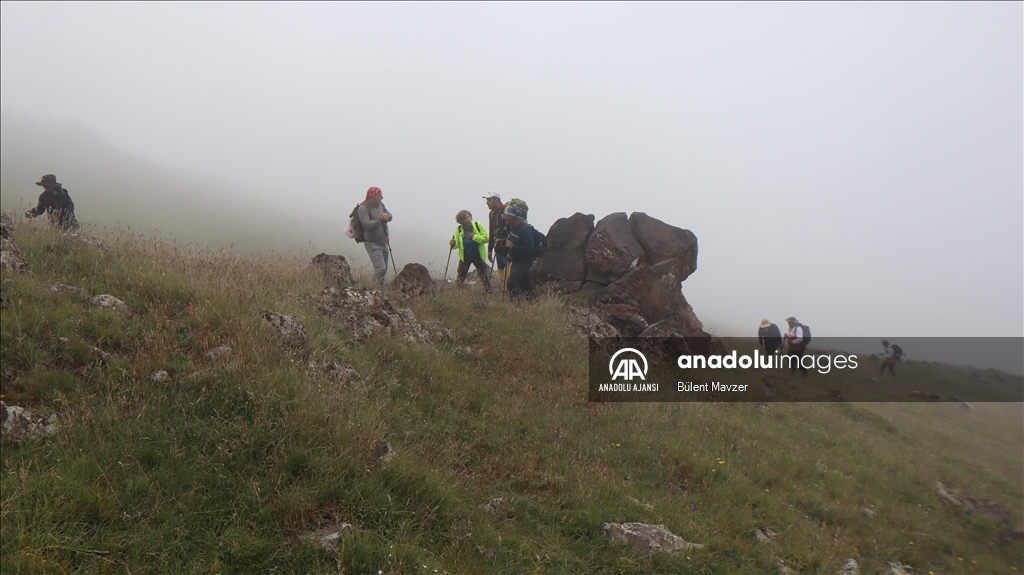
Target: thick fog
<point>859,166</point>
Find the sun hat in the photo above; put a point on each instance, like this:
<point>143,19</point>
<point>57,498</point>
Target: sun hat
<point>49,180</point>
<point>792,319</point>
<point>765,322</point>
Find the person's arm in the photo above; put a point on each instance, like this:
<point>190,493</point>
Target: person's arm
<point>760,336</point>
<point>365,219</point>
<point>798,336</point>
<point>384,209</point>
<point>38,210</point>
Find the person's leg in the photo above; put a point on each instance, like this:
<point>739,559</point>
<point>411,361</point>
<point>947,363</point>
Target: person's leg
<point>378,257</point>
<point>485,274</point>
<point>460,274</point>
<point>519,280</point>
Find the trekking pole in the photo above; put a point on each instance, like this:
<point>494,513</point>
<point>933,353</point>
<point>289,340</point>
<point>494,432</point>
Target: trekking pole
<point>450,250</point>
<point>392,254</point>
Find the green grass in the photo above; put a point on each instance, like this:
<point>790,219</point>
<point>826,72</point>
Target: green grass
<point>226,468</point>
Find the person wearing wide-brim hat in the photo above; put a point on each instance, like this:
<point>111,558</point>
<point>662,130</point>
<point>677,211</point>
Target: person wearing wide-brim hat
<point>769,337</point>
<point>56,203</point>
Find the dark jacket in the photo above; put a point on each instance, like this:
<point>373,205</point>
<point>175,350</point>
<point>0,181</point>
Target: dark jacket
<point>769,336</point>
<point>498,231</point>
<point>522,242</point>
<point>58,206</point>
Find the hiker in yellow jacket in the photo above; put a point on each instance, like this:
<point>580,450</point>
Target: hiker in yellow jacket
<point>471,239</point>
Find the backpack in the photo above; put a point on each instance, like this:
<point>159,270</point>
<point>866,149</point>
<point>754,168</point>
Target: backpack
<point>355,227</point>
<point>540,242</point>
<point>897,352</point>
<point>807,335</point>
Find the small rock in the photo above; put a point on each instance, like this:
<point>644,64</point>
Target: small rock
<point>496,505</point>
<point>108,301</point>
<point>647,538</point>
<point>765,535</point>
<point>218,352</point>
<point>64,288</point>
<point>868,512</point>
<point>897,568</point>
<point>342,374</point>
<point>160,376</point>
<point>20,423</point>
<point>288,328</point>
<point>383,452</point>
<point>849,568</point>
<point>328,536</point>
<point>104,356</point>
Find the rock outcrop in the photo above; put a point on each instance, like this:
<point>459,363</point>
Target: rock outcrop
<point>631,267</point>
<point>10,255</point>
<point>363,312</point>
<point>662,242</point>
<point>565,261</point>
<point>335,268</point>
<point>414,280</point>
<point>612,251</point>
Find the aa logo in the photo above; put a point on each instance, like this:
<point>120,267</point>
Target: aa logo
<point>627,367</point>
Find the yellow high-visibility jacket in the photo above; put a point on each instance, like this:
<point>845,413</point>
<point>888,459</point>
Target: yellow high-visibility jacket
<point>479,236</point>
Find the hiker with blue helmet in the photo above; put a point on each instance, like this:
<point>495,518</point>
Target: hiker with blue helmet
<point>520,244</point>
<point>470,238</point>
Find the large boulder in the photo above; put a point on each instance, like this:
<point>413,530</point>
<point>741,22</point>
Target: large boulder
<point>414,280</point>
<point>566,257</point>
<point>334,267</point>
<point>655,290</point>
<point>661,242</point>
<point>612,251</point>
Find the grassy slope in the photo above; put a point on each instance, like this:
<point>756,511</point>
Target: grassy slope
<point>225,471</point>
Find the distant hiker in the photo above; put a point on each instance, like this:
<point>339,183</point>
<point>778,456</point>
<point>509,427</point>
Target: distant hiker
<point>889,357</point>
<point>374,218</point>
<point>497,253</point>
<point>57,204</point>
<point>520,245</point>
<point>769,337</point>
<point>797,340</point>
<point>471,239</point>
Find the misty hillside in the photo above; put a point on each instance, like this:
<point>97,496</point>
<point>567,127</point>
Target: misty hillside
<point>115,189</point>
<point>207,412</point>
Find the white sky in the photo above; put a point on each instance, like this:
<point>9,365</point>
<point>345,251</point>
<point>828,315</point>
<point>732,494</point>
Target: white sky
<point>860,166</point>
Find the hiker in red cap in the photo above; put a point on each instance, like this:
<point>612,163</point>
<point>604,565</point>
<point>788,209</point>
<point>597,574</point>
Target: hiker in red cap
<point>374,217</point>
